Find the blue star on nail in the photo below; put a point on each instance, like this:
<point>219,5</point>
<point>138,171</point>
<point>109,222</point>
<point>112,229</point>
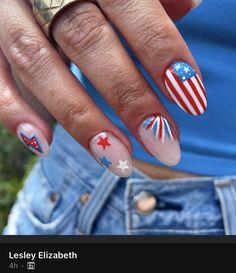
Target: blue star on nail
<point>104,161</point>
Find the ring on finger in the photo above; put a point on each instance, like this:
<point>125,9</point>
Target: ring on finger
<point>45,11</point>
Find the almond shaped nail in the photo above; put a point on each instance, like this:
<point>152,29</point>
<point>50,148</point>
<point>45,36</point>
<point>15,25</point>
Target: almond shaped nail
<point>186,88</point>
<point>110,152</point>
<point>159,139</point>
<point>33,139</point>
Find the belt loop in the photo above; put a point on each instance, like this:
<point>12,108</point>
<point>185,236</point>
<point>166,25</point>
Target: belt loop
<point>226,191</point>
<point>97,199</point>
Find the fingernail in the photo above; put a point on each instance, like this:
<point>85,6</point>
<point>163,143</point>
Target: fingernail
<point>110,152</point>
<point>196,3</point>
<point>160,140</point>
<point>33,139</point>
<point>186,88</point>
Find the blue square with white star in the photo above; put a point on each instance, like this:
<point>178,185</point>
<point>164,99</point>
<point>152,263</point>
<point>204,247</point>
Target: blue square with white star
<point>184,71</point>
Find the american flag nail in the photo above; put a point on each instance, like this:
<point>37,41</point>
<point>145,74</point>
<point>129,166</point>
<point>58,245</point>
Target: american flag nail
<point>186,88</point>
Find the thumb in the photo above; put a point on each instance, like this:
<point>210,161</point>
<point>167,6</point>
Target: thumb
<point>177,9</point>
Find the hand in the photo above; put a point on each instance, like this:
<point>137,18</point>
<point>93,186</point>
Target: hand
<point>83,33</point>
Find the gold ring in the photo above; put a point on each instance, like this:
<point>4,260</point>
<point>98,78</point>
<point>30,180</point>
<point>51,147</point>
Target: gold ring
<point>45,11</point>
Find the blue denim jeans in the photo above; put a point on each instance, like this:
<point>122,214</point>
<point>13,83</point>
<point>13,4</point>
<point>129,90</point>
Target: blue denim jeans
<point>53,199</point>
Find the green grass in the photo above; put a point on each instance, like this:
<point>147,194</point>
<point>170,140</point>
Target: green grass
<point>15,163</point>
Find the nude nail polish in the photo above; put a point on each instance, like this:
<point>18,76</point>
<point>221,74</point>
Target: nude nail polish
<point>186,88</point>
<point>111,153</point>
<point>160,140</point>
<point>33,139</point>
<point>196,3</point>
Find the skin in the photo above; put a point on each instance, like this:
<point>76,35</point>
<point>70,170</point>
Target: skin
<point>84,35</point>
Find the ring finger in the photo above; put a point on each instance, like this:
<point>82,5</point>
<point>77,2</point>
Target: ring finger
<point>43,72</point>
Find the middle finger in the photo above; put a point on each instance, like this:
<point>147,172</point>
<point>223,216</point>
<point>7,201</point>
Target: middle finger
<point>88,40</point>
<point>161,49</point>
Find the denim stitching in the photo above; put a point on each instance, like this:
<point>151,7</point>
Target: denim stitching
<point>52,224</point>
<point>128,218</point>
<point>85,175</point>
<point>80,181</point>
<point>178,230</point>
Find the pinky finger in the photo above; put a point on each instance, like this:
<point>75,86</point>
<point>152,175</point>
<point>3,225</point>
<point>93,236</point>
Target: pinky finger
<point>19,117</point>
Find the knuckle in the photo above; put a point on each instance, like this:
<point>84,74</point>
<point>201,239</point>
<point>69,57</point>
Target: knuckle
<point>27,53</point>
<point>82,30</point>
<point>72,115</point>
<point>156,38</point>
<point>118,4</point>
<point>7,101</point>
<point>127,93</point>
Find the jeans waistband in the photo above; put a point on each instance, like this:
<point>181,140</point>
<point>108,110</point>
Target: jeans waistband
<point>98,198</point>
<point>106,186</point>
<point>224,188</point>
<point>226,191</point>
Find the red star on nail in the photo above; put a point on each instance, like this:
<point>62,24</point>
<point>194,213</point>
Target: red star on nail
<point>103,142</point>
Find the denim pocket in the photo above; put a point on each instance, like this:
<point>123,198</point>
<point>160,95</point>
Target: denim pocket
<point>52,209</point>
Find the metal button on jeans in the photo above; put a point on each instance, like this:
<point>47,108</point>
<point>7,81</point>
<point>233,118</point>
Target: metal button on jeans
<point>54,197</point>
<point>84,198</point>
<point>145,202</point>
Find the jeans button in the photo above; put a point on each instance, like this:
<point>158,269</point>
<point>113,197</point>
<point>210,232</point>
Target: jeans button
<point>84,198</point>
<point>145,202</point>
<point>54,197</point>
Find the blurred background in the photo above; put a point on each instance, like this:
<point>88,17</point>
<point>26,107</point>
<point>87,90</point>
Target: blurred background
<point>15,164</point>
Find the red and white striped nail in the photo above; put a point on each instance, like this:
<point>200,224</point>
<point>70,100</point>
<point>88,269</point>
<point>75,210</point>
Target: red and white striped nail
<point>160,140</point>
<point>186,88</point>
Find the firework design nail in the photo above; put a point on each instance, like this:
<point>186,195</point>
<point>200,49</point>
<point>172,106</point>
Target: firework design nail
<point>160,140</point>
<point>160,127</point>
<point>33,139</point>
<point>111,153</point>
<point>186,88</point>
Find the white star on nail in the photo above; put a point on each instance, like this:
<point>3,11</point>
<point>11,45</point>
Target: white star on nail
<point>123,165</point>
<point>177,67</point>
<point>186,69</point>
